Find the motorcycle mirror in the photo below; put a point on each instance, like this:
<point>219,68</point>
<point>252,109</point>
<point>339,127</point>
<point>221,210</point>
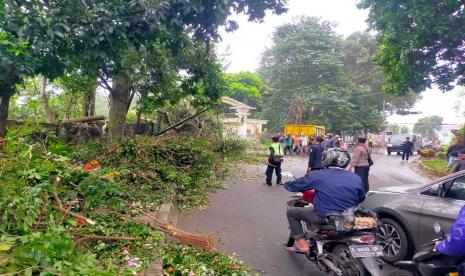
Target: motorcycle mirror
<point>437,228</point>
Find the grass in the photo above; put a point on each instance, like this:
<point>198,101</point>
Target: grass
<point>438,166</point>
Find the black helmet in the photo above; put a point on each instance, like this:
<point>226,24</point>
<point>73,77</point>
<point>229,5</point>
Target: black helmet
<point>335,157</point>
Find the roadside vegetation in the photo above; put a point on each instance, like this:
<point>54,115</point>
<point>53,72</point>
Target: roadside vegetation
<point>67,209</point>
<point>437,166</point>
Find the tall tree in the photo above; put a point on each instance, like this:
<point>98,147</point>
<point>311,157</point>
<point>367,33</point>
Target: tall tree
<point>428,126</point>
<point>51,115</point>
<point>422,42</point>
<point>246,87</point>
<point>114,38</point>
<point>316,76</point>
<point>16,63</point>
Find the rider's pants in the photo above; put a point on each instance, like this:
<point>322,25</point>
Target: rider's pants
<point>296,215</point>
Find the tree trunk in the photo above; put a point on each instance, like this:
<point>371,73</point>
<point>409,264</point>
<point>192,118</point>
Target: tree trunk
<point>51,115</point>
<point>89,102</point>
<point>119,101</point>
<point>4,105</point>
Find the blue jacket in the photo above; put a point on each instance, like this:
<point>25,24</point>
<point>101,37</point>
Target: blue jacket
<point>336,189</point>
<point>454,244</point>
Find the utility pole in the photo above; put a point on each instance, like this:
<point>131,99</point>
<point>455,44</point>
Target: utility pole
<point>384,121</point>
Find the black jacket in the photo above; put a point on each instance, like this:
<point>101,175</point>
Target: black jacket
<point>407,146</point>
<point>316,153</point>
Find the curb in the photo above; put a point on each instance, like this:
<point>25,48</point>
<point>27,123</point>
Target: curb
<point>165,215</point>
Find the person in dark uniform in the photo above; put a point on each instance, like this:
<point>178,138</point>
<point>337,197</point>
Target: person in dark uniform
<point>316,152</point>
<point>407,149</point>
<point>274,161</point>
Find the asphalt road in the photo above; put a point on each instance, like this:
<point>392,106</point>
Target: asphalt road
<point>250,218</point>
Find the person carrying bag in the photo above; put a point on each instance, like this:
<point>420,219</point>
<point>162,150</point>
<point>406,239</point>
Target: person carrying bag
<point>361,162</point>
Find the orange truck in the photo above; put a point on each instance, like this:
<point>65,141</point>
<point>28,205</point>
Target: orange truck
<point>307,130</point>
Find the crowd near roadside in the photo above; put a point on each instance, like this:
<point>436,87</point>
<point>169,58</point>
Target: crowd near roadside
<point>313,146</point>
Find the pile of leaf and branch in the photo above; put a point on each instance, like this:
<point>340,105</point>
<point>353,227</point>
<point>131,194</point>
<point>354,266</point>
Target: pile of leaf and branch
<point>68,211</point>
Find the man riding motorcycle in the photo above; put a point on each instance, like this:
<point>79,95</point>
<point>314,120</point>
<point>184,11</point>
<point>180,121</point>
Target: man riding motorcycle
<point>336,191</point>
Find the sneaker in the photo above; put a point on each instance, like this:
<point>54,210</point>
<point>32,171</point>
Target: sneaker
<point>279,184</point>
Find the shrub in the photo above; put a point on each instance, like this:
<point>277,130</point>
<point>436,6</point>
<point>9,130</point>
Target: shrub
<point>441,155</point>
<point>428,153</point>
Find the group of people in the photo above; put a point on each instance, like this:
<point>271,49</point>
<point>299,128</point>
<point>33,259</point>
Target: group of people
<point>338,189</point>
<point>300,144</point>
<point>360,164</point>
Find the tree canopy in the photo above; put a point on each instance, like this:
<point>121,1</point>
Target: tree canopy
<point>246,87</point>
<point>422,42</point>
<point>324,78</point>
<point>164,44</point>
<point>428,126</point>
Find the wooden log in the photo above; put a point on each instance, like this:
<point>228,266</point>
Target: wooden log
<point>85,119</point>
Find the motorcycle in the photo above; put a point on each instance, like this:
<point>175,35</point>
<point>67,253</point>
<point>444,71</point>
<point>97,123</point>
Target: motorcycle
<point>336,246</point>
<point>426,262</point>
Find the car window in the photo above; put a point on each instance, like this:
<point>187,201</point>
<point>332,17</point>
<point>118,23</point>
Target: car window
<point>457,190</point>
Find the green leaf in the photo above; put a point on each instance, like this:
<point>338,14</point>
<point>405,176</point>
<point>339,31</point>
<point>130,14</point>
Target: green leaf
<point>5,246</point>
<point>28,272</point>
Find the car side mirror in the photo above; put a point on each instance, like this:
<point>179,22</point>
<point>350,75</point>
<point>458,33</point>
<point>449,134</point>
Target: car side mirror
<point>443,188</point>
<point>432,191</point>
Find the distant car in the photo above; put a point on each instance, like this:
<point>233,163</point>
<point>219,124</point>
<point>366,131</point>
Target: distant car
<point>396,141</point>
<point>407,213</point>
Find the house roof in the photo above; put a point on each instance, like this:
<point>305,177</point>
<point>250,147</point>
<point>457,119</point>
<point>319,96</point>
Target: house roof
<point>236,104</point>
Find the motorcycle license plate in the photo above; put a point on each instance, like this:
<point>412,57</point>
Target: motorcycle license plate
<point>360,251</point>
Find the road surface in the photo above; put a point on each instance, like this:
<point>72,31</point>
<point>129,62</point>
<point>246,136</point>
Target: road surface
<point>250,217</point>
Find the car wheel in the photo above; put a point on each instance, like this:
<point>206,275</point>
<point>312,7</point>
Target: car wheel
<point>389,152</point>
<point>393,239</point>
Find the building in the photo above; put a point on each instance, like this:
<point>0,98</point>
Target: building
<point>238,124</point>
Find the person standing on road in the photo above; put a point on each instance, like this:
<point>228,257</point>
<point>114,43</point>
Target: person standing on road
<point>370,141</point>
<point>461,164</point>
<point>360,164</point>
<point>274,162</point>
<point>407,149</point>
<point>329,142</point>
<point>296,143</point>
<point>316,153</point>
<point>288,143</point>
<point>453,154</point>
<point>304,143</point>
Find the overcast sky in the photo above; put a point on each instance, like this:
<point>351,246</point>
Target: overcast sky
<point>244,47</point>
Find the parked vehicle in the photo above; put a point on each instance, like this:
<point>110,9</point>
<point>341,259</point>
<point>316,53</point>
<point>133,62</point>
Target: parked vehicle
<point>407,213</point>
<point>396,141</point>
<point>336,252</point>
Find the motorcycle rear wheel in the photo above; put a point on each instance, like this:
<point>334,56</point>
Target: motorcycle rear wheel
<point>349,265</point>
